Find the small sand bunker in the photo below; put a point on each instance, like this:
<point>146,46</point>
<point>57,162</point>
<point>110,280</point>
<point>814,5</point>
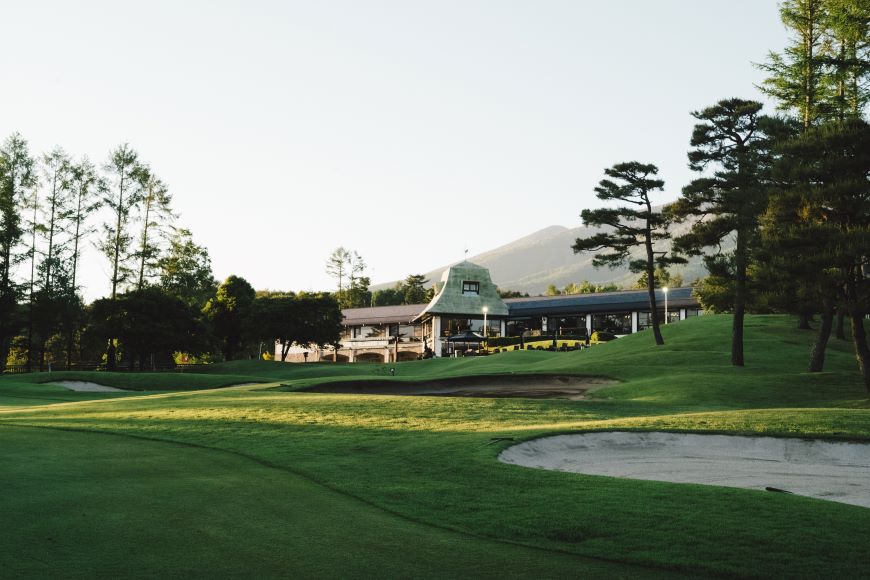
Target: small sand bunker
<point>529,387</point>
<point>836,471</point>
<point>85,387</point>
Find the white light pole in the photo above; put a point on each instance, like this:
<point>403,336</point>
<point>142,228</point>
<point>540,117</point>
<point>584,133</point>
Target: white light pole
<point>485,328</point>
<point>665,289</point>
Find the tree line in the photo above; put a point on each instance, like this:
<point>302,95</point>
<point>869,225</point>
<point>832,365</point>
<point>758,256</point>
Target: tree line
<point>347,267</point>
<point>791,190</point>
<point>163,299</point>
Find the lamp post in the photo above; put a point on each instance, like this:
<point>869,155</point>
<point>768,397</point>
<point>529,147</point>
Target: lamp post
<point>665,289</point>
<point>485,327</point>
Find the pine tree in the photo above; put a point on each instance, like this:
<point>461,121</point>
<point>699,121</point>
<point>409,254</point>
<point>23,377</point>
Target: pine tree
<point>54,213</point>
<point>824,215</point>
<point>122,196</point>
<point>627,227</point>
<point>157,216</point>
<point>336,266</point>
<point>17,178</point>
<point>847,58</point>
<point>733,140</point>
<point>796,76</point>
<point>86,187</point>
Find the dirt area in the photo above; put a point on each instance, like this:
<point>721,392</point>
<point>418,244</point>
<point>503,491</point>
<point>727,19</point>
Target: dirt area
<point>85,387</point>
<point>527,387</point>
<point>831,470</point>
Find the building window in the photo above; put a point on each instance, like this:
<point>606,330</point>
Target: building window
<point>644,319</point>
<point>612,323</point>
<point>471,288</point>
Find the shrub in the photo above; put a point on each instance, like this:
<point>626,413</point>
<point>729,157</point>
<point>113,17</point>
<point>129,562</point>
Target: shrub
<point>602,336</point>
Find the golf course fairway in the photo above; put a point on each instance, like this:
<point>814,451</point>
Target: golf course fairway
<point>189,477</point>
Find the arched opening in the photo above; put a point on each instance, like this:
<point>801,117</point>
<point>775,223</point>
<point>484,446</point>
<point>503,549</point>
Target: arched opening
<point>406,355</point>
<point>374,357</point>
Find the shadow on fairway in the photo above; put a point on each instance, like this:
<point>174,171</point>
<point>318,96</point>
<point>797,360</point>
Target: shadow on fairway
<point>95,505</point>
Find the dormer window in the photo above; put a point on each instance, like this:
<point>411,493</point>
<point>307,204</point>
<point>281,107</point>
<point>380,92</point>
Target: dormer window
<point>470,288</point>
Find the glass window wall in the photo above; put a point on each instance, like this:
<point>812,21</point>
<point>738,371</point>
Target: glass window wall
<point>455,325</point>
<point>612,323</point>
<point>644,319</point>
<point>530,325</point>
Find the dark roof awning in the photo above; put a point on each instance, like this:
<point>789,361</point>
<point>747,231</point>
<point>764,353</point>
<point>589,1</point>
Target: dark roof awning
<point>465,336</point>
<point>622,301</point>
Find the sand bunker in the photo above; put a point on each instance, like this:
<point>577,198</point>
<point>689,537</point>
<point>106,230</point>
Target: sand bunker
<point>836,471</point>
<point>529,387</point>
<point>85,387</point>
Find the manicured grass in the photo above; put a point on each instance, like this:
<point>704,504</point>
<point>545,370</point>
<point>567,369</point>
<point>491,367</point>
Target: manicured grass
<point>102,506</point>
<point>36,388</point>
<point>22,391</point>
<point>432,461</point>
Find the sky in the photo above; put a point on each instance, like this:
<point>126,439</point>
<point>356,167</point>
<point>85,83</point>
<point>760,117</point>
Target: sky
<point>408,131</point>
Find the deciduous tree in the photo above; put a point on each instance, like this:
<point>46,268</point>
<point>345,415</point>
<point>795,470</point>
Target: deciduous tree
<point>227,311</point>
<point>157,217</point>
<point>123,195</point>
<point>185,270</point>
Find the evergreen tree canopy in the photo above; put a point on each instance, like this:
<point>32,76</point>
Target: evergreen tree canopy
<point>627,226</point>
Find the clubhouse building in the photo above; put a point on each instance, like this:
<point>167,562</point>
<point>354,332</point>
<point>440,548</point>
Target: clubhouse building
<point>468,308</point>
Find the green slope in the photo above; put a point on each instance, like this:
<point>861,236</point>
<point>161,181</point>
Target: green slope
<point>101,506</point>
<point>432,460</point>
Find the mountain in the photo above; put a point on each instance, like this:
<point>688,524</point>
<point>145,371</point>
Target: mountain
<point>535,261</point>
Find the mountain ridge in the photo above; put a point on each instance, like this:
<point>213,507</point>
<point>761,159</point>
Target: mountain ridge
<point>534,261</point>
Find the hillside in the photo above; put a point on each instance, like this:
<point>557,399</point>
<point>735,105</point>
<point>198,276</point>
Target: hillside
<point>411,486</point>
<point>545,257</point>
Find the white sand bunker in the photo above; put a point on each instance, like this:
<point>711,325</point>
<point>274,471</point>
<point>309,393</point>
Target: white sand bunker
<point>836,471</point>
<point>85,387</point>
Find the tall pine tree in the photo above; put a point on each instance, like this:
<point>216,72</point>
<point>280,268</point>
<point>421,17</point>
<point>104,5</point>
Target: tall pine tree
<point>629,226</point>
<point>731,146</point>
<point>17,178</point>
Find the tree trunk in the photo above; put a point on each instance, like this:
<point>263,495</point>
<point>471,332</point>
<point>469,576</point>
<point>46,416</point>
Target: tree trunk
<point>804,320</point>
<point>110,351</point>
<point>51,224</point>
<point>144,248</point>
<point>70,345</point>
<point>862,352</point>
<point>841,330</point>
<point>70,341</point>
<point>817,358</point>
<point>30,296</point>
<point>651,284</point>
<point>110,356</point>
<point>740,263</point>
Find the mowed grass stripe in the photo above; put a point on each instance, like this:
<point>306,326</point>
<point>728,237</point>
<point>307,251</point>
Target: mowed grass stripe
<point>430,459</point>
<point>101,506</point>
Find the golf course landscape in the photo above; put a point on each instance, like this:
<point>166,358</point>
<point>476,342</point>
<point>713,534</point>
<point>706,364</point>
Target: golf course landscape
<point>242,470</point>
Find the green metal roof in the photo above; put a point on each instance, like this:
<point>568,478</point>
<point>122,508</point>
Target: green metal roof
<point>451,300</point>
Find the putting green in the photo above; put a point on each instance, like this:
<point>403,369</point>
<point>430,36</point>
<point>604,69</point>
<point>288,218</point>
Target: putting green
<point>94,505</point>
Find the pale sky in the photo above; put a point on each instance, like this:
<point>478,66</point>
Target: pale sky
<point>405,130</point>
